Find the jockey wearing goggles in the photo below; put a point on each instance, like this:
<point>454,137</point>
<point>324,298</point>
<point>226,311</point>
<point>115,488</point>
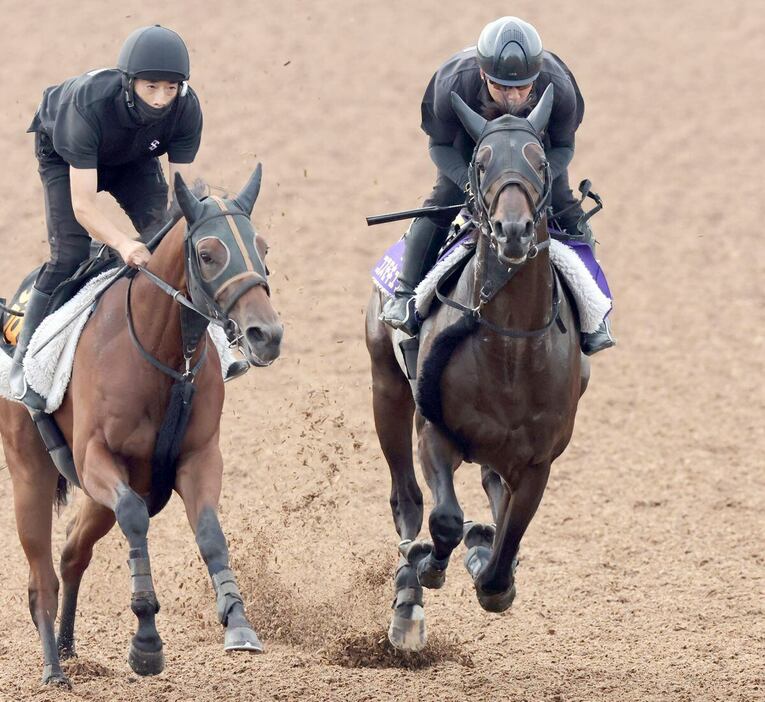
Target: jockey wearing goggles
<point>506,72</point>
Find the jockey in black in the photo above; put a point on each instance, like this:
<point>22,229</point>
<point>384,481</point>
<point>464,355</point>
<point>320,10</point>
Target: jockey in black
<point>506,72</point>
<point>105,130</point>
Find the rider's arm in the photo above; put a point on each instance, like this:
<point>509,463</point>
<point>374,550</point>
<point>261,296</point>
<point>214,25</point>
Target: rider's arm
<point>559,158</point>
<point>84,186</point>
<point>185,170</point>
<point>450,162</point>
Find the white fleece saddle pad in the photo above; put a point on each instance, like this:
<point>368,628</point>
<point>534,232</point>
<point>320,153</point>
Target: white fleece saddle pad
<point>48,370</point>
<point>593,305</point>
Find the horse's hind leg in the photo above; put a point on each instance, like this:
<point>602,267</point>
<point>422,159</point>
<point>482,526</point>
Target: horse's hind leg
<point>34,487</point>
<point>440,457</point>
<point>92,522</point>
<point>495,583</point>
<point>393,407</point>
<point>199,483</point>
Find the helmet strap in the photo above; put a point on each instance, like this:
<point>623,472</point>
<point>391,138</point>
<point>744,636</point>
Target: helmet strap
<point>127,85</point>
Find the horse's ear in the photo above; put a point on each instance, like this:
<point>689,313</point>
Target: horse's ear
<point>472,121</point>
<point>246,199</point>
<point>540,115</point>
<point>190,206</point>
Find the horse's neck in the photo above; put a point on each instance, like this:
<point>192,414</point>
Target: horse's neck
<point>156,315</point>
<point>525,301</point>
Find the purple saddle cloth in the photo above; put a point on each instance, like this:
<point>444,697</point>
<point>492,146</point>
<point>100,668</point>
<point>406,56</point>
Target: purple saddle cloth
<point>385,273</point>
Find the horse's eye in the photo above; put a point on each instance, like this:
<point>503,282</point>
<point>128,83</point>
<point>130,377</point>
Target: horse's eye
<point>205,257</point>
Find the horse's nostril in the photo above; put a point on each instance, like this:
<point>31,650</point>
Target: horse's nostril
<point>255,335</point>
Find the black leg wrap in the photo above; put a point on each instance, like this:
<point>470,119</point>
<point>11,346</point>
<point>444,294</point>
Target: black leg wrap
<point>140,573</point>
<point>227,594</point>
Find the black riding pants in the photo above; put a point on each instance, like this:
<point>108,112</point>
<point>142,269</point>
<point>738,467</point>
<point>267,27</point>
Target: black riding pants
<point>139,188</point>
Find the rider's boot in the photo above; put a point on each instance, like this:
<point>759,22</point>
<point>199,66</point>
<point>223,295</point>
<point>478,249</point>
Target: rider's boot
<point>423,240</point>
<point>235,370</point>
<point>601,338</point>
<point>34,313</point>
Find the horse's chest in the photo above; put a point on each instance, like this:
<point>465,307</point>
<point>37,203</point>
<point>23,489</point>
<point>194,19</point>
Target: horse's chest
<point>501,404</point>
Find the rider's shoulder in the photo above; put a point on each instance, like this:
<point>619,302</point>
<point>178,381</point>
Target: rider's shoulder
<point>556,72</point>
<point>91,88</point>
<point>460,66</point>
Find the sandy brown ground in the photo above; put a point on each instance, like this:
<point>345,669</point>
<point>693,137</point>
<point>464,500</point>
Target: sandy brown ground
<point>642,574</point>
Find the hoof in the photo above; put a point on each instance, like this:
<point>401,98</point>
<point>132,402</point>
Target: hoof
<point>242,638</point>
<point>146,662</point>
<point>430,574</point>
<point>55,677</point>
<point>407,633</point>
<point>496,601</point>
<point>476,560</point>
<point>478,534</point>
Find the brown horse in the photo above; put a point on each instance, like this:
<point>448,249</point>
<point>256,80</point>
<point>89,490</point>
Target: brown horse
<point>499,376</point>
<point>114,408</point>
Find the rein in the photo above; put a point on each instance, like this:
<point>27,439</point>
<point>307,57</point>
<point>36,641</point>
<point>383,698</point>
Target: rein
<point>474,313</point>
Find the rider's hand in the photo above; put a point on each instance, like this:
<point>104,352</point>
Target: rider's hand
<point>134,253</point>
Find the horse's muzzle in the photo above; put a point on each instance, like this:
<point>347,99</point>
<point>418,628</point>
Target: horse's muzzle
<point>513,241</point>
<point>263,343</point>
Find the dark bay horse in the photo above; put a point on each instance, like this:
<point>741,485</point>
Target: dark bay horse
<point>132,349</point>
<point>499,376</point>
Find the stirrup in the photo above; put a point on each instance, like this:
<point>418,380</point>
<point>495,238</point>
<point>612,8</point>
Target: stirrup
<point>400,312</point>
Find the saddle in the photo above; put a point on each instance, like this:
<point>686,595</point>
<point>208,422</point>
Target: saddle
<point>12,324</point>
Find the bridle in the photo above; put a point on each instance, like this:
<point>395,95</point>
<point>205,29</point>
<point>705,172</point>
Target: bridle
<point>244,266</point>
<point>504,170</point>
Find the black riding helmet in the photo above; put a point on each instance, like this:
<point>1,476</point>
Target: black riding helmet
<point>510,51</point>
<point>154,53</point>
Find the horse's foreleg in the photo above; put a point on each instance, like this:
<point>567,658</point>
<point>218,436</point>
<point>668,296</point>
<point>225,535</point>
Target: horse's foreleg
<point>393,407</point>
<point>34,487</point>
<point>92,522</point>
<point>440,457</point>
<point>105,479</point>
<point>199,484</point>
<point>146,656</point>
<point>478,537</point>
<point>495,584</point>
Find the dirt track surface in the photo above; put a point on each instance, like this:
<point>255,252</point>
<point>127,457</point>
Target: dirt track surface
<point>642,573</point>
